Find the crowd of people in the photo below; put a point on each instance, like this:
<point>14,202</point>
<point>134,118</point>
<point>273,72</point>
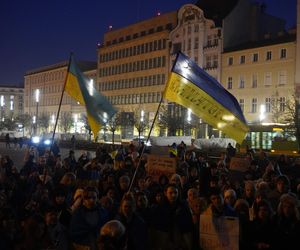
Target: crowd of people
<point>94,203</point>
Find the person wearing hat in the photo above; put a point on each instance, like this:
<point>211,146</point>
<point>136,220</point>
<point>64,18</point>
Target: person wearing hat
<point>287,223</point>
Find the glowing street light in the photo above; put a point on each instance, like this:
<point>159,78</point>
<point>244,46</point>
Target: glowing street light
<point>75,121</point>
<point>37,99</point>
<point>2,103</point>
<point>142,115</point>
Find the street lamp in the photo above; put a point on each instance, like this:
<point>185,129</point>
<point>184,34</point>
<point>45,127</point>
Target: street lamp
<point>75,121</point>
<point>262,114</point>
<point>2,103</point>
<point>37,99</point>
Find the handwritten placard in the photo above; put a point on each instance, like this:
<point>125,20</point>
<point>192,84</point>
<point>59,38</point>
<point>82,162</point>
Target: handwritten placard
<point>220,233</point>
<point>239,164</point>
<point>157,165</point>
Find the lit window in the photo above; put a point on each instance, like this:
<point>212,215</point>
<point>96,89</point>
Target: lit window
<point>254,105</point>
<point>282,77</point>
<point>242,82</point>
<point>268,78</point>
<point>268,104</point>
<point>242,104</point>
<point>282,104</point>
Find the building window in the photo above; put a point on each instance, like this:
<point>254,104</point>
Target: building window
<point>208,61</point>
<point>282,53</point>
<point>282,77</point>
<point>242,104</point>
<point>254,81</point>
<point>215,40</point>
<point>229,83</point>
<point>268,78</point>
<point>230,60</point>
<point>215,61</point>
<point>242,82</point>
<point>209,41</point>
<point>189,29</point>
<point>255,57</point>
<point>269,55</point>
<point>196,46</point>
<point>268,104</point>
<point>189,44</point>
<point>254,105</point>
<point>282,104</point>
<point>196,28</point>
<point>176,47</point>
<point>242,59</point>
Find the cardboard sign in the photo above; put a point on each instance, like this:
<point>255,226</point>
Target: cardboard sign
<point>239,164</point>
<point>220,233</point>
<point>157,165</point>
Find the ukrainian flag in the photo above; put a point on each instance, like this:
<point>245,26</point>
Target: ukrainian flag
<point>99,109</point>
<point>191,87</point>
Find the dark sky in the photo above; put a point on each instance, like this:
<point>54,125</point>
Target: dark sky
<point>36,33</point>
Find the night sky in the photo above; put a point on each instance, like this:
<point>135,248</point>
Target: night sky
<point>40,33</point>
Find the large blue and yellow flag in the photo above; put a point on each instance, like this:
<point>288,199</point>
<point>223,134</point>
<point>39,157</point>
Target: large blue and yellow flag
<point>191,87</point>
<point>99,110</point>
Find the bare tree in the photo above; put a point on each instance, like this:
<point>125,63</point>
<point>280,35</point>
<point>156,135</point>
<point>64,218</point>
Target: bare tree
<point>87,126</point>
<point>44,121</point>
<point>141,121</point>
<point>173,118</point>
<point>66,121</point>
<point>114,124</point>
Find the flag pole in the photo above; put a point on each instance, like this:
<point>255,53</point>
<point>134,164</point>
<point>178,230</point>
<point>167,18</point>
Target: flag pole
<point>60,102</point>
<point>151,128</point>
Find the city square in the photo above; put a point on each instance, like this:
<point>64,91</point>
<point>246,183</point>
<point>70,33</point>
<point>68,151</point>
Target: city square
<point>179,129</point>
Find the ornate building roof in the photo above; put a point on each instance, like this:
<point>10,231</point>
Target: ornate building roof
<point>216,10</point>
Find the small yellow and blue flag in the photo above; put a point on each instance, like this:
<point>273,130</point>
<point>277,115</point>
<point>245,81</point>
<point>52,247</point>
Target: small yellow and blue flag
<point>191,87</point>
<point>99,110</point>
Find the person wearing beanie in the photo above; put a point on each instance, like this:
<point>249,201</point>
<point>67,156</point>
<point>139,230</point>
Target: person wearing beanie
<point>287,222</point>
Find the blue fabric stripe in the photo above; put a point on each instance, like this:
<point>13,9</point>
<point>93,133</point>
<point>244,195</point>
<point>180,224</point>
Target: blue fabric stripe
<point>188,69</point>
<point>96,104</point>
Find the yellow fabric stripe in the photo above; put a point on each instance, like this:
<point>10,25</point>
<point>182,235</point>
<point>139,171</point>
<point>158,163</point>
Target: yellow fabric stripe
<point>73,89</point>
<point>187,94</point>
<point>95,126</point>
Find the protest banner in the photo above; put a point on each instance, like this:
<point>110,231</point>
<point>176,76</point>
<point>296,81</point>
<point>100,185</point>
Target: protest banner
<point>219,233</point>
<point>157,165</point>
<point>239,164</point>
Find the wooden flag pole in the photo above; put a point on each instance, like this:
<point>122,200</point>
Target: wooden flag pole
<point>152,125</point>
<point>60,102</point>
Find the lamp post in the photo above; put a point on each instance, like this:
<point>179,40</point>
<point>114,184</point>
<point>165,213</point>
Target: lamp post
<point>37,99</point>
<point>75,122</point>
<point>2,103</point>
